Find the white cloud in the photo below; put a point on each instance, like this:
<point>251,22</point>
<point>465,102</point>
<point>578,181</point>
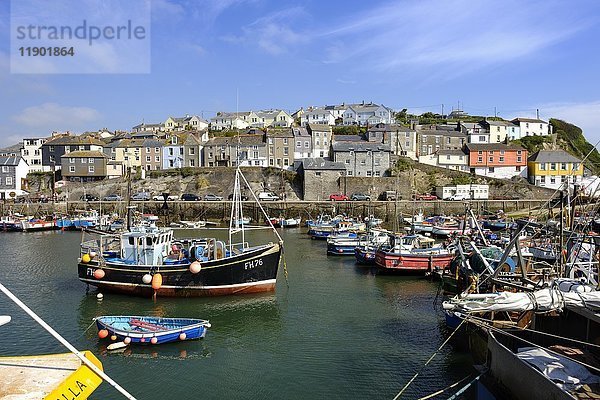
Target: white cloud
<point>453,36</point>
<point>54,117</point>
<point>273,33</point>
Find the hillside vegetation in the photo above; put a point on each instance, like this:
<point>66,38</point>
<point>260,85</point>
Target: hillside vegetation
<point>571,138</point>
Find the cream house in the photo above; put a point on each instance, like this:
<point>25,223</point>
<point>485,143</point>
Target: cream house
<point>189,122</point>
<point>235,120</point>
<point>318,116</point>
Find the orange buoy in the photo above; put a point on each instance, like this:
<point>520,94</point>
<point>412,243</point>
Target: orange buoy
<point>102,333</point>
<point>143,340</point>
<point>113,337</point>
<point>195,267</point>
<point>154,340</point>
<point>182,336</point>
<point>99,274</point>
<point>156,281</point>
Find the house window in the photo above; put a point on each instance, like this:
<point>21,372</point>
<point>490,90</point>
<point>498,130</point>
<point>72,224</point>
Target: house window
<point>480,153</point>
<point>256,154</point>
<point>271,162</point>
<point>501,159</point>
<point>51,148</point>
<point>91,160</point>
<point>553,166</point>
<point>210,155</point>
<point>448,140</point>
<point>318,173</point>
<point>71,160</point>
<point>147,149</point>
<point>4,169</point>
<point>491,159</point>
<point>286,162</point>
<point>542,179</point>
<point>286,151</point>
<point>552,179</point>
<point>369,173</point>
<point>113,150</point>
<point>192,151</point>
<point>72,168</point>
<point>157,158</point>
<point>257,162</point>
<point>518,168</point>
<point>519,159</point>
<point>377,173</point>
<point>306,145</point>
<point>491,170</point>
<point>563,166</point>
<point>349,173</point>
<point>192,163</point>
<point>9,181</point>
<point>479,159</point>
<point>91,169</point>
<point>448,157</point>
<point>84,161</point>
<point>347,161</point>
<point>407,144</point>
<point>285,141</point>
<point>298,143</point>
<point>148,159</point>
<point>156,149</point>
<point>482,139</point>
<point>575,166</point>
<point>171,151</point>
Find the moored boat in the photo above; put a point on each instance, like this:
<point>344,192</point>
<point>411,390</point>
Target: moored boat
<point>150,330</point>
<point>412,253</point>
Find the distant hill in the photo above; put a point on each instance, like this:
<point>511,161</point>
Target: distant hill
<point>568,137</point>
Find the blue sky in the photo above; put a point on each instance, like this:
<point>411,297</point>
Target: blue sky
<point>418,54</point>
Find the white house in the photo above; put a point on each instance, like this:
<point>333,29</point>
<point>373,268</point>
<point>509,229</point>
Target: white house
<point>189,122</point>
<point>367,114</point>
<point>13,174</point>
<point>235,120</point>
<point>532,127</point>
<point>318,116</point>
<point>272,119</point>
<point>473,192</point>
<point>321,140</point>
<point>32,154</point>
<point>501,130</point>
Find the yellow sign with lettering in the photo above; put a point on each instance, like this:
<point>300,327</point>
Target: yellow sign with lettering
<point>80,384</point>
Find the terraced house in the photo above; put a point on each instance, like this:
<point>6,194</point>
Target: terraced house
<point>280,144</point>
<point>497,160</point>
<point>555,169</point>
<point>13,174</point>
<point>84,166</point>
<point>251,150</point>
<point>54,148</point>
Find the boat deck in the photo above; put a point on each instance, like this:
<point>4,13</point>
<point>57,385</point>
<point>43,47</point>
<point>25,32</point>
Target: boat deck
<point>35,377</point>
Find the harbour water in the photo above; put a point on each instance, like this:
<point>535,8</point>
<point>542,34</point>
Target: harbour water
<point>333,330</point>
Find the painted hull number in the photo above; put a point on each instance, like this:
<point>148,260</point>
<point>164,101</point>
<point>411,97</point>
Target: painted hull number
<point>253,264</point>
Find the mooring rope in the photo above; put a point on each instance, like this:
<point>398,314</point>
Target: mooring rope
<point>443,390</point>
<point>428,361</point>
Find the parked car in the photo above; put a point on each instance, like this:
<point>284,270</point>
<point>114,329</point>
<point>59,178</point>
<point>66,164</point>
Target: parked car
<point>389,195</point>
<point>459,197</point>
<point>141,196</point>
<point>244,198</point>
<point>360,197</point>
<point>88,197</point>
<point>160,197</point>
<point>338,197</point>
<point>268,196</point>
<point>426,197</point>
<point>212,197</point>
<point>112,197</point>
<point>190,197</point>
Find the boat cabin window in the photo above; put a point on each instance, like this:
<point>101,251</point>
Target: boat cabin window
<point>131,240</point>
<point>148,241</point>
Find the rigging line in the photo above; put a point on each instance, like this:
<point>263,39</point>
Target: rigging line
<point>65,343</point>
<point>446,388</point>
<point>428,361</point>
<point>493,328</point>
<point>485,320</point>
<point>468,385</point>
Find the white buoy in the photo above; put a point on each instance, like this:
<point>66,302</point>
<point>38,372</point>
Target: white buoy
<point>99,296</point>
<point>147,278</point>
<point>116,346</point>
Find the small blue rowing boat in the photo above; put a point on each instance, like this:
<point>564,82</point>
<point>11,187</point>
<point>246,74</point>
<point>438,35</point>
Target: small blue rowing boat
<point>150,330</point>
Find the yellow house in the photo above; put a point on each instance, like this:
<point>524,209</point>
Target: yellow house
<point>554,169</point>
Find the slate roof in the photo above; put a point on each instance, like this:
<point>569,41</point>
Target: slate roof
<point>390,128</point>
<point>492,146</point>
<point>73,140</point>
<point>534,120</point>
<point>558,156</point>
<point>10,160</point>
<point>84,154</point>
<point>360,146</point>
<point>322,164</point>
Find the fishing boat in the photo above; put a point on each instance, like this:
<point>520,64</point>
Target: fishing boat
<point>11,223</point>
<point>39,224</point>
<point>150,330</point>
<point>412,253</point>
<point>148,260</point>
<point>346,244</point>
<point>290,222</point>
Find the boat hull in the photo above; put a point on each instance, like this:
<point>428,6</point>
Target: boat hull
<point>253,271</point>
<point>412,262</point>
<point>364,256</point>
<point>165,330</point>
